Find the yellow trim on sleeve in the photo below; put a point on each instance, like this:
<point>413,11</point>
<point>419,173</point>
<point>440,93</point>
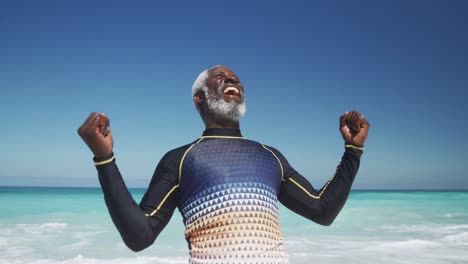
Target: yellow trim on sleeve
<point>281,165</point>
<point>163,200</point>
<point>104,161</point>
<point>354,147</point>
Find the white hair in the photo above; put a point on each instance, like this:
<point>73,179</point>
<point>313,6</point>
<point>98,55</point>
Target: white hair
<point>201,80</point>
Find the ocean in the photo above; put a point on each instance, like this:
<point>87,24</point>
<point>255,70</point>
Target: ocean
<point>72,225</point>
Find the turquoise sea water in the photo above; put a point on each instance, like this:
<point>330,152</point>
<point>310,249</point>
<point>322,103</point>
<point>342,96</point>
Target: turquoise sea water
<point>71,225</point>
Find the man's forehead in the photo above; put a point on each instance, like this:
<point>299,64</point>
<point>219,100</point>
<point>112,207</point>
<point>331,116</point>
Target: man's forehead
<point>220,69</point>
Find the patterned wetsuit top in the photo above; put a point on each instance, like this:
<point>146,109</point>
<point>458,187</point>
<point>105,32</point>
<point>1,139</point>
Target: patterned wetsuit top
<point>226,189</point>
<point>229,189</point>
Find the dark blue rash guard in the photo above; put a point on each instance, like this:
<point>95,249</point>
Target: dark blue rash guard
<point>226,188</point>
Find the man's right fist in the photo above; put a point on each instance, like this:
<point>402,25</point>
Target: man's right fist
<point>95,132</point>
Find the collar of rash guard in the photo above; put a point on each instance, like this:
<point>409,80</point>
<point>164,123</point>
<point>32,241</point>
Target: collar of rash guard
<point>229,132</point>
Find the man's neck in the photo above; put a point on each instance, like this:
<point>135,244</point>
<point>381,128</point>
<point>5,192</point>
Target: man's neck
<point>229,132</point>
<point>222,125</point>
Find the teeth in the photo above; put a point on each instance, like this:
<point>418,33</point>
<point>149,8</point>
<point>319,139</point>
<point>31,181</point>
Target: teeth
<point>231,89</point>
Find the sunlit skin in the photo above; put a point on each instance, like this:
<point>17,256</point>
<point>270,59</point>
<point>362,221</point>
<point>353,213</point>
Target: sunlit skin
<point>96,132</point>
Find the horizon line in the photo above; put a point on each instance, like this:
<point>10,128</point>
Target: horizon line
<point>143,188</point>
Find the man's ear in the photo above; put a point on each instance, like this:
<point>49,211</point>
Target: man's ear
<point>198,97</point>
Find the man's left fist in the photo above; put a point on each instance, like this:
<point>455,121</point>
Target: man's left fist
<point>354,128</point>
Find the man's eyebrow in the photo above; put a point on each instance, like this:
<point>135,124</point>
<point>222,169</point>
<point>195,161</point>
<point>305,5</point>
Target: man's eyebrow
<point>217,73</point>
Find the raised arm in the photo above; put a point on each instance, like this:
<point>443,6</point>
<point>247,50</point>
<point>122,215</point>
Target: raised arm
<point>139,225</point>
<point>323,205</point>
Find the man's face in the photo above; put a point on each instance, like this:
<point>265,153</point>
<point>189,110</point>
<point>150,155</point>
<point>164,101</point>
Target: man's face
<point>224,95</point>
<point>223,82</point>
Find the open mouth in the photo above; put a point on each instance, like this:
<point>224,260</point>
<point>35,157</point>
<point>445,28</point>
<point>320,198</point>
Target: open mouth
<point>232,91</point>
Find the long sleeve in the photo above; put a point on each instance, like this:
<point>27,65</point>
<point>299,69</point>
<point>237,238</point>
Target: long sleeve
<point>138,225</point>
<point>323,205</point>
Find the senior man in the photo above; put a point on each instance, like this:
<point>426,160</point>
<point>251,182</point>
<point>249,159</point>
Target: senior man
<point>225,186</point>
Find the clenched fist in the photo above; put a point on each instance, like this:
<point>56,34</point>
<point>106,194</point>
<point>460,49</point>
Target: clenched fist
<point>354,128</point>
<point>95,132</point>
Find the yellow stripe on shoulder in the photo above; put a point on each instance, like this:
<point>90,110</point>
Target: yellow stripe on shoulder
<point>185,154</point>
<point>281,165</point>
<point>104,161</point>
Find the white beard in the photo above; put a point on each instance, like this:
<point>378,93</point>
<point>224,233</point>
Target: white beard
<point>223,111</point>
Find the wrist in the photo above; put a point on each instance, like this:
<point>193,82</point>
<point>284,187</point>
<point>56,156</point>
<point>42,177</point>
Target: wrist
<point>102,154</point>
<point>104,160</point>
<point>354,146</point>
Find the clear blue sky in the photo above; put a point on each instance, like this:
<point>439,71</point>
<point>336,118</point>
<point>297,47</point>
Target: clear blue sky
<point>404,64</point>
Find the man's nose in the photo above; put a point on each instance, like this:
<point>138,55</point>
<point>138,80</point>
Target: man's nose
<point>231,79</point>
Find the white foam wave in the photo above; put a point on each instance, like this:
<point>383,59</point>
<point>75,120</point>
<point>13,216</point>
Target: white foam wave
<point>374,250</point>
<point>82,260</point>
<point>455,215</point>
<point>294,241</point>
<point>460,239</point>
<point>3,242</point>
<point>42,228</point>
<point>430,228</point>
<point>412,244</point>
